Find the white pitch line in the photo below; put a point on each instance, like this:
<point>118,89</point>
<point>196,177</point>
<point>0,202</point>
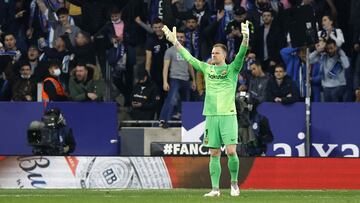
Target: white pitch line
<point>29,195</point>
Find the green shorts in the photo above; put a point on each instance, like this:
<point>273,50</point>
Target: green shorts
<point>220,130</point>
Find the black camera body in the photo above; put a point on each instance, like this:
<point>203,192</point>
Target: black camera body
<point>50,135</point>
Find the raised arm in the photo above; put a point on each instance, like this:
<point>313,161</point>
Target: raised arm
<point>171,37</point>
<point>240,56</point>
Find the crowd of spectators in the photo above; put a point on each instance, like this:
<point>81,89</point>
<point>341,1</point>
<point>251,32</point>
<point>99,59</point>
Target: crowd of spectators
<point>69,46</point>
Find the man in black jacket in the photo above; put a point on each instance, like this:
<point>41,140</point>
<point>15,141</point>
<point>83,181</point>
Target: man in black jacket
<point>281,88</point>
<point>268,41</point>
<point>145,97</point>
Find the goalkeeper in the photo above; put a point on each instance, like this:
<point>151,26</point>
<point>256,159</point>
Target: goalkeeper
<point>221,124</point>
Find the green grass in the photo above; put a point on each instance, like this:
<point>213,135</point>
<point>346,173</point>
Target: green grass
<point>176,195</point>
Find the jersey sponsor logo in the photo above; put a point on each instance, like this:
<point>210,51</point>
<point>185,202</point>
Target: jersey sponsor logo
<point>217,77</point>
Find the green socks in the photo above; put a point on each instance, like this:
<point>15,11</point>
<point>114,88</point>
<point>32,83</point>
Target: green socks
<point>233,164</point>
<point>215,171</point>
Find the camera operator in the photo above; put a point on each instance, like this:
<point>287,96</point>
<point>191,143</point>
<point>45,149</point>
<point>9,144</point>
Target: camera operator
<point>51,136</point>
<point>333,62</point>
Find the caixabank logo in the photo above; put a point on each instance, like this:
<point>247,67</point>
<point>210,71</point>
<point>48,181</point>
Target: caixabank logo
<point>332,134</point>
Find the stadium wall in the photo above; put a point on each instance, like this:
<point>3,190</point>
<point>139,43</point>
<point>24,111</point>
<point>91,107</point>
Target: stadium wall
<point>176,172</point>
<point>94,125</point>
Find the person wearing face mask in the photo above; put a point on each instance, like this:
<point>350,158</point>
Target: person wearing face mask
<point>145,97</point>
<point>24,88</point>
<point>52,88</point>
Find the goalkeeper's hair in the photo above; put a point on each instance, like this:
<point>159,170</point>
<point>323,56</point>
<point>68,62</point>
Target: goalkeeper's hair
<point>222,46</point>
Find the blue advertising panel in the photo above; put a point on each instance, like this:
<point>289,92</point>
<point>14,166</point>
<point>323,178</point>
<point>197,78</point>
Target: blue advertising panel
<point>94,125</point>
<point>334,128</point>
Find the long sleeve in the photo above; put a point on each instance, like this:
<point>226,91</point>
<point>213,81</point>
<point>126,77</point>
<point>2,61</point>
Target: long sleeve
<point>314,57</point>
<point>197,64</point>
<point>344,59</point>
<point>237,64</point>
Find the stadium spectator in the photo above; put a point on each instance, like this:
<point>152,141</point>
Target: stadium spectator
<point>176,75</point>
<point>60,52</point>
<point>281,88</point>
<point>83,50</point>
<point>155,48</point>
<point>24,87</point>
<point>295,61</point>
<point>329,31</point>
<point>145,97</point>
<point>333,62</point>
<point>255,12</point>
<point>119,32</point>
<point>199,10</point>
<point>38,68</point>
<point>60,22</point>
<point>11,54</point>
<point>268,42</point>
<point>258,83</point>
<point>52,88</point>
<point>221,80</point>
<point>85,84</point>
<point>357,64</point>
<point>233,32</point>
<point>193,36</point>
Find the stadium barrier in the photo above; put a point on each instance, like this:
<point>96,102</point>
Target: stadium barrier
<point>175,172</point>
<point>334,128</point>
<point>94,126</point>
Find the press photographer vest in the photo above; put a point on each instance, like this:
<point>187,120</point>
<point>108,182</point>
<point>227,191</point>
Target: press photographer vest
<point>59,89</point>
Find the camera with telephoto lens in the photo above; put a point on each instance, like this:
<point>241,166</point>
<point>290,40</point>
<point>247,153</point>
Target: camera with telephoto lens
<point>50,136</point>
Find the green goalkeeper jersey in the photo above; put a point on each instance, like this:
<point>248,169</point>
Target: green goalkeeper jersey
<point>220,82</point>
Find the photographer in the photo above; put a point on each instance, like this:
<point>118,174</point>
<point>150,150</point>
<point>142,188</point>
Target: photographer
<point>254,129</point>
<point>51,136</point>
<point>333,62</point>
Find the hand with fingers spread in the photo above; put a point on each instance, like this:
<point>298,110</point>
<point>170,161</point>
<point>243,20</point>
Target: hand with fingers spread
<point>170,36</point>
<point>245,29</point>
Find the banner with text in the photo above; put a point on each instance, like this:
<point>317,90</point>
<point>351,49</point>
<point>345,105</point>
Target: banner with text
<point>334,128</point>
<point>36,172</point>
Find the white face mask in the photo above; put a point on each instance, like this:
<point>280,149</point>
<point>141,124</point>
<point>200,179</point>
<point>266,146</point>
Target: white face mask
<point>116,21</point>
<point>25,76</point>
<point>228,7</point>
<point>57,72</point>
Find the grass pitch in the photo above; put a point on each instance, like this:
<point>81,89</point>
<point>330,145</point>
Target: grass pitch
<point>176,195</point>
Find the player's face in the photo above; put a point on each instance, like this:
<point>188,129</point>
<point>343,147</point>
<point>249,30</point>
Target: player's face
<point>279,73</point>
<point>217,55</point>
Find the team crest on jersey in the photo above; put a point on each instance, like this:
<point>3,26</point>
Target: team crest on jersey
<point>224,72</point>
